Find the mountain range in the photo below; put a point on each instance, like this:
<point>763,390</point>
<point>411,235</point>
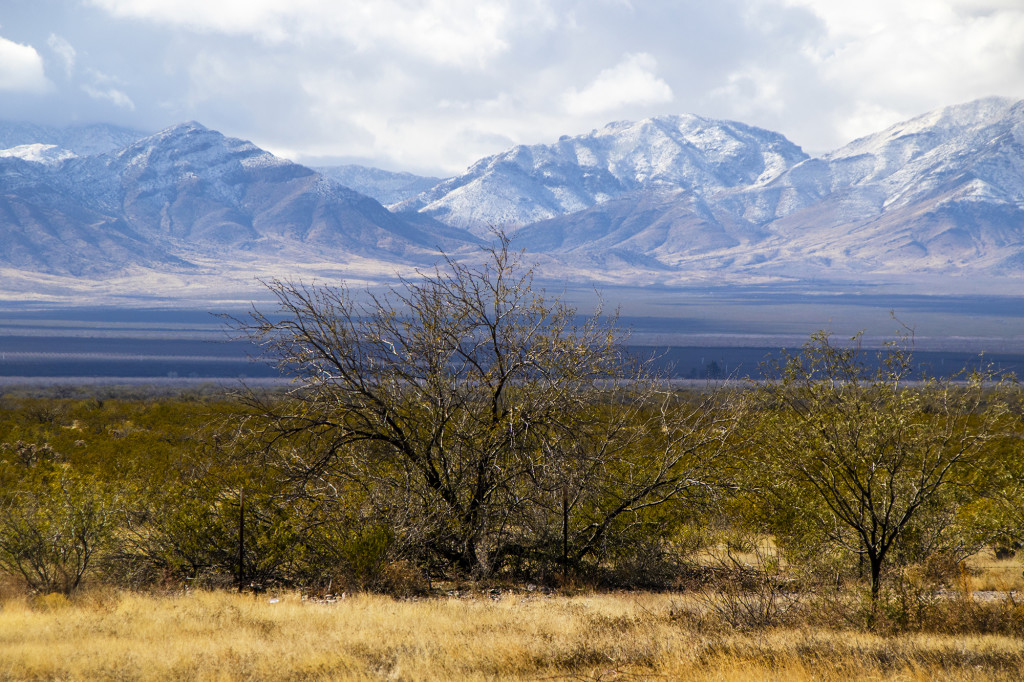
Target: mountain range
<point>186,195</point>
<point>936,201</point>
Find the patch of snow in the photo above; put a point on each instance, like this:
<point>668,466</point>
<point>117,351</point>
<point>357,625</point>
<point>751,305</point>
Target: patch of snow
<point>47,154</point>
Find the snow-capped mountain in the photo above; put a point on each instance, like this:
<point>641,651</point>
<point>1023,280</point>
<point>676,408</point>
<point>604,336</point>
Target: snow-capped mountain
<point>680,197</point>
<point>943,191</point>
<point>195,184</point>
<point>531,183</point>
<point>936,201</point>
<point>187,194</point>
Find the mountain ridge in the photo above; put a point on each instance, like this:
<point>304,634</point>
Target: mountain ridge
<point>189,190</point>
<point>666,201</point>
<point>530,183</point>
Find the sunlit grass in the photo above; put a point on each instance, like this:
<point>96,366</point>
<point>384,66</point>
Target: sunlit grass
<point>219,635</point>
<point>987,573</point>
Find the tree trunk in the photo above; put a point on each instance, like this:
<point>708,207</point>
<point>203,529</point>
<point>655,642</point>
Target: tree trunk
<point>565,534</point>
<point>241,539</point>
<point>876,577</point>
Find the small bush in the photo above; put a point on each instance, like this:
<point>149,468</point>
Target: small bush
<point>751,596</point>
<point>53,526</point>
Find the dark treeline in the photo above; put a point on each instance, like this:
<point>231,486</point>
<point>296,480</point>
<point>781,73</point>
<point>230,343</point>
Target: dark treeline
<point>702,362</point>
<point>78,358</point>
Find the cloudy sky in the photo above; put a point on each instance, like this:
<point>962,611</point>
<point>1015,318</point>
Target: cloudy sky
<point>431,85</point>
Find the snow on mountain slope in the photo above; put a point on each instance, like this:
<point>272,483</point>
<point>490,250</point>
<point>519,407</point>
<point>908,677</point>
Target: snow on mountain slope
<point>80,140</point>
<point>531,183</point>
<point>49,154</point>
<point>909,149</point>
<point>387,187</point>
<point>655,223</point>
<point>188,193</point>
<point>195,184</point>
<point>943,190</point>
<point>45,228</point>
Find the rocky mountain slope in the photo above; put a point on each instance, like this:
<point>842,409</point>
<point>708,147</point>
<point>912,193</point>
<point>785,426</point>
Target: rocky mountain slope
<point>943,191</point>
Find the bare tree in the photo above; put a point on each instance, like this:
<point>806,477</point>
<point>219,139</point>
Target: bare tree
<point>464,401</point>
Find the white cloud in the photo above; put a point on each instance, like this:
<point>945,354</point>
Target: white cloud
<point>21,68</point>
<point>632,81</point>
<point>432,85</point>
<point>752,90</point>
<point>113,95</point>
<point>461,33</point>
<point>900,58</point>
<point>65,51</point>
<point>268,19</point>
<point>105,87</point>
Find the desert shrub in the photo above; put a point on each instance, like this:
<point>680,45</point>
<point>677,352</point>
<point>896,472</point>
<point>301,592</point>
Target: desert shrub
<point>190,535</point>
<point>54,523</point>
<point>653,563</point>
<point>913,602</point>
<point>362,558</point>
<point>852,458</point>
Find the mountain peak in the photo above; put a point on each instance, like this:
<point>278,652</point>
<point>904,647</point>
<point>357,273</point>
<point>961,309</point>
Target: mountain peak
<point>905,154</point>
<point>528,183</point>
<point>179,131</point>
<point>196,147</point>
<point>974,114</point>
<point>184,128</point>
<point>955,121</point>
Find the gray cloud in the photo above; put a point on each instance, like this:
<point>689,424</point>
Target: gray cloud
<point>432,85</point>
<point>65,51</point>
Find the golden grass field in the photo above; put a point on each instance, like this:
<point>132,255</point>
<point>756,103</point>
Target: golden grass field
<point>531,636</point>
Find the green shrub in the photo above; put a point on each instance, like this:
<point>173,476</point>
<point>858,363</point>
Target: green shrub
<point>53,525</point>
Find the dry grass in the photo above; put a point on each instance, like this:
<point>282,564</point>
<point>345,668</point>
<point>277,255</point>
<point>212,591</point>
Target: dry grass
<point>991,574</point>
<point>223,636</point>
